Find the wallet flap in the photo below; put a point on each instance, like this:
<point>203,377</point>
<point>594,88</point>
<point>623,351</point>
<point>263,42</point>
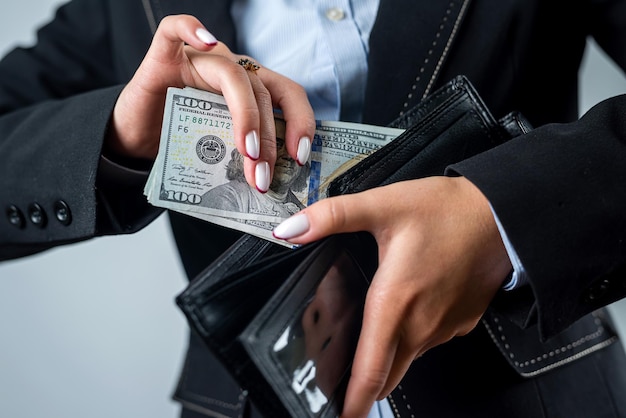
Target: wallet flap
<point>450,125</point>
<point>221,302</point>
<point>223,299</point>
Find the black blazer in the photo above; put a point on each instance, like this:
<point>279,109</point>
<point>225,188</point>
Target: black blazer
<point>558,190</point>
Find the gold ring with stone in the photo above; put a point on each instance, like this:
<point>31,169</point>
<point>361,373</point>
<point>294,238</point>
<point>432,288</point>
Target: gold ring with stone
<point>248,64</point>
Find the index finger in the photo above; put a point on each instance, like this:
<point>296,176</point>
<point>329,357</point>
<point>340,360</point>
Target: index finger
<point>333,215</point>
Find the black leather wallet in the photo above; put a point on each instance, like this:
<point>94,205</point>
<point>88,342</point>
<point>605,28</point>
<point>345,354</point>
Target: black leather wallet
<point>285,322</point>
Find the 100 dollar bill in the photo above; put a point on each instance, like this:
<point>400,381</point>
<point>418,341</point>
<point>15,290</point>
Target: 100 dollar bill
<point>199,171</point>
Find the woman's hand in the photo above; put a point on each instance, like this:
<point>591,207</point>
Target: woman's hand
<point>183,53</point>
<point>441,261</point>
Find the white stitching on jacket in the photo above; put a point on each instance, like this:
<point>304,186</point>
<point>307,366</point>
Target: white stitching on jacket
<point>549,355</point>
<point>446,49</point>
<point>147,7</point>
<point>394,406</point>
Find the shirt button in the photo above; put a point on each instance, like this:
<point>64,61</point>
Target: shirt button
<point>335,14</point>
<point>16,217</point>
<point>62,212</point>
<point>37,215</point>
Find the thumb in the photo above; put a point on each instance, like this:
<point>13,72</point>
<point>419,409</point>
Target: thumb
<point>333,215</point>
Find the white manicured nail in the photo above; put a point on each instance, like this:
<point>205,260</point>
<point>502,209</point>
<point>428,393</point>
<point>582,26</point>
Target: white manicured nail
<point>304,150</point>
<point>206,36</point>
<point>262,176</point>
<point>253,148</point>
<point>292,227</point>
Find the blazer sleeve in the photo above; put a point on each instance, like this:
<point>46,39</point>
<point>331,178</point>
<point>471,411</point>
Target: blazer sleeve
<point>559,194</point>
<point>56,99</point>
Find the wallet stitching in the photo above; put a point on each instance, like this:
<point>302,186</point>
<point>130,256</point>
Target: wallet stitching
<point>419,111</point>
<point>219,262</point>
<point>376,166</point>
<point>202,297</point>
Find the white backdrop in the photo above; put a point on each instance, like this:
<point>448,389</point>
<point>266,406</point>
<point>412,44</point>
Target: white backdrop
<point>91,330</point>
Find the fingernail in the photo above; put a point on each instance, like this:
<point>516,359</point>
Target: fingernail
<point>292,227</point>
<point>304,150</point>
<point>252,145</point>
<point>262,176</point>
<point>206,36</point>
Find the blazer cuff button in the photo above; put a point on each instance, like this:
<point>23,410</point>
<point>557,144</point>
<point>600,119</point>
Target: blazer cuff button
<point>16,217</point>
<point>62,212</point>
<point>37,215</point>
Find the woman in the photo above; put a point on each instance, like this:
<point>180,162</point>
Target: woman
<point>104,66</point>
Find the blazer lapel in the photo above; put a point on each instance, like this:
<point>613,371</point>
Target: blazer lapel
<point>214,14</point>
<point>409,42</point>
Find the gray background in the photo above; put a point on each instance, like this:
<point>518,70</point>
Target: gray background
<point>91,330</point>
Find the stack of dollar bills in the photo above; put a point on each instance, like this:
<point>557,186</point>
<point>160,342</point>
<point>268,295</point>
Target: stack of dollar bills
<point>198,170</point>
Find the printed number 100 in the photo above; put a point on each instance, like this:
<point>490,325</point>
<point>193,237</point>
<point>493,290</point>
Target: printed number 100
<point>182,197</point>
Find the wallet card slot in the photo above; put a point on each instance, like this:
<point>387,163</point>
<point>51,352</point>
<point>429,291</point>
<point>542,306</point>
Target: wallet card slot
<point>304,338</point>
